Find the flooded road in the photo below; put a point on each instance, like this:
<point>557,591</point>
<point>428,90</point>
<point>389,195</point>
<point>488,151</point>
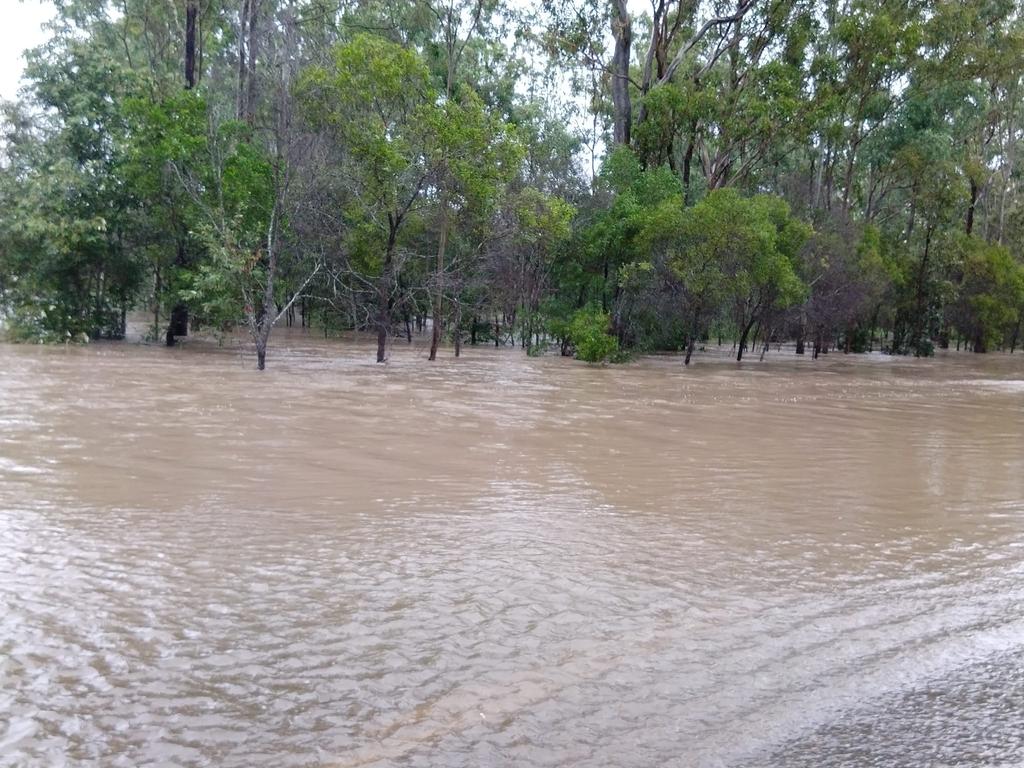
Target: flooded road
<point>508,561</point>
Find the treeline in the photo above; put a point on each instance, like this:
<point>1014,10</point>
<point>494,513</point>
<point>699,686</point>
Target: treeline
<point>573,176</point>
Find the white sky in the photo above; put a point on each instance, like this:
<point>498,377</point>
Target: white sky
<point>20,29</point>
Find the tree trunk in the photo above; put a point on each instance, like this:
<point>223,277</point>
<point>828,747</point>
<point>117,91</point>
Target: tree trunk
<point>688,163</point>
<point>969,220</point>
<point>384,287</point>
<point>243,21</point>
<point>382,340</point>
<point>435,336</point>
<point>743,340</point>
<point>178,325</point>
<point>250,99</point>
<point>261,354</point>
<point>457,330</point>
<point>692,343</point>
<point>622,31</point>
<point>919,323</point>
<point>191,14</point>
<point>157,289</point>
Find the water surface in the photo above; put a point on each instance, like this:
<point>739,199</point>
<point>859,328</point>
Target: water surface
<point>503,560</point>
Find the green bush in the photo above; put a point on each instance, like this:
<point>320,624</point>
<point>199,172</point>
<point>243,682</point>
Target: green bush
<point>588,331</point>
<point>38,322</point>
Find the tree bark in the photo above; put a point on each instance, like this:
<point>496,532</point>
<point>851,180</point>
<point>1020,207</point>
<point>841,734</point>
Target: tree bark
<point>969,220</point>
<point>692,342</point>
<point>622,31</point>
<point>919,324</point>
<point>457,330</point>
<point>435,336</point>
<point>191,14</point>
<point>688,163</point>
<point>743,339</point>
<point>243,22</point>
<point>384,286</point>
<point>261,355</point>
<point>250,98</point>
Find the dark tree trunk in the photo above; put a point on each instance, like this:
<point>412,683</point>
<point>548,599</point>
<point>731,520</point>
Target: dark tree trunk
<point>692,342</point>
<point>688,163</point>
<point>191,14</point>
<point>969,221</point>
<point>920,321</point>
<point>743,340</point>
<point>384,289</point>
<point>178,325</point>
<point>457,330</point>
<point>382,342</point>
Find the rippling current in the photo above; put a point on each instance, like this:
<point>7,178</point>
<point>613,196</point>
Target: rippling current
<point>508,561</point>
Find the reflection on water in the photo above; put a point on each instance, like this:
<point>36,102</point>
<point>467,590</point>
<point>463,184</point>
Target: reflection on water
<point>508,561</point>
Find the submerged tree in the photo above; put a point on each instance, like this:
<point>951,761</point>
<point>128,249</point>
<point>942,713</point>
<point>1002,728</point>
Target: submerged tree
<point>492,170</point>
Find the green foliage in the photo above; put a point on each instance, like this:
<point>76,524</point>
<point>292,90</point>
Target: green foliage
<point>65,266</point>
<point>731,247</point>
<point>990,293</point>
<point>893,127</point>
<point>588,331</point>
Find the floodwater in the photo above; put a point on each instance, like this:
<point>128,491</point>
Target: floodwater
<point>508,561</point>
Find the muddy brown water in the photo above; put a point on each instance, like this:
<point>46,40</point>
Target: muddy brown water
<point>508,561</point>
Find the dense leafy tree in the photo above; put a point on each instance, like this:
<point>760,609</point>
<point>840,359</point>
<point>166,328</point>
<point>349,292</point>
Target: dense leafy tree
<point>846,174</point>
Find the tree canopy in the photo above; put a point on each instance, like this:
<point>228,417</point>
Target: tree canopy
<point>573,175</point>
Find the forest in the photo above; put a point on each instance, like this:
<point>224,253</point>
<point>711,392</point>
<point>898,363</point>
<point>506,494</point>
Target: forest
<point>588,177</point>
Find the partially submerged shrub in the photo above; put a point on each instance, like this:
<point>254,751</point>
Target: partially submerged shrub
<point>588,331</point>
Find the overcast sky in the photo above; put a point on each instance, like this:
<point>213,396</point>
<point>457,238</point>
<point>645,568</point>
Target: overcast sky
<point>19,29</point>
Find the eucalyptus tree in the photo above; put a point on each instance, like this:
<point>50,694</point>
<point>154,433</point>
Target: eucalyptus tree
<point>396,140</point>
<point>436,167</point>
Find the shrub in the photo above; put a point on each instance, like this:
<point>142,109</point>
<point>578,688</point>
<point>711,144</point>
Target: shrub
<point>588,331</point>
